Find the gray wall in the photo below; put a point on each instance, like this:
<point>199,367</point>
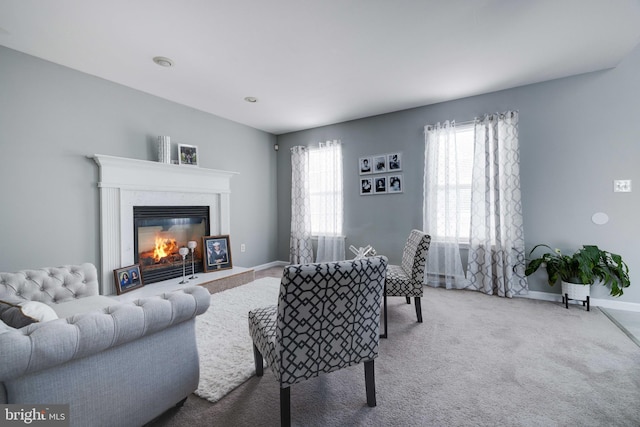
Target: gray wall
<point>52,117</point>
<point>577,135</point>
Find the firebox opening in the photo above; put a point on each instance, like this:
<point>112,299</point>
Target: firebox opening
<point>160,231</point>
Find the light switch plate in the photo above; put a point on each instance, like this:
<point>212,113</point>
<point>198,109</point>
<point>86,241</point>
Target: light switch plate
<point>622,185</point>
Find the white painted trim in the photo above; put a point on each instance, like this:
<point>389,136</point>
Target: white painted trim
<point>596,302</point>
<point>270,264</point>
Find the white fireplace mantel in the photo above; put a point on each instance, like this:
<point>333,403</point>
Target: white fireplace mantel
<point>125,183</point>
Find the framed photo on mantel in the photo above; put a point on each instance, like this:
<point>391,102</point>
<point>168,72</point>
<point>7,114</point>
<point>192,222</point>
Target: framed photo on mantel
<point>187,154</point>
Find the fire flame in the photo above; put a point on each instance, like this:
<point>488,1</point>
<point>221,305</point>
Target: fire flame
<point>164,247</point>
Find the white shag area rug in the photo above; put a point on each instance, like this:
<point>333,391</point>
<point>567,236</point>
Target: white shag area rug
<point>222,333</point>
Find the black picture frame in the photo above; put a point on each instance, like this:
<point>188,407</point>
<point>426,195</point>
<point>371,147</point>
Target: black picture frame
<point>220,260</point>
<point>127,278</point>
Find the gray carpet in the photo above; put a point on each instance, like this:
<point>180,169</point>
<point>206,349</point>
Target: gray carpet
<point>475,361</point>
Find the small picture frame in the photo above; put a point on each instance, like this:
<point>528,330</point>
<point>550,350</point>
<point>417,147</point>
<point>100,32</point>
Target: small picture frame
<point>366,186</point>
<point>365,165</point>
<point>380,184</point>
<point>380,164</point>
<point>394,162</point>
<point>127,278</point>
<point>188,155</point>
<point>396,184</point>
<point>217,253</point>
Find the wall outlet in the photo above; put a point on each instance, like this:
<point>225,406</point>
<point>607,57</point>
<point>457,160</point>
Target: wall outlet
<point>243,247</point>
<point>622,185</point>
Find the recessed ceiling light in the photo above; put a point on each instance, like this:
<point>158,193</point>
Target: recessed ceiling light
<point>163,62</point>
<point>251,99</point>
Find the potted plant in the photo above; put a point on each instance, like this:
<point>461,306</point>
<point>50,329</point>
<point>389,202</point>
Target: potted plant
<point>580,270</point>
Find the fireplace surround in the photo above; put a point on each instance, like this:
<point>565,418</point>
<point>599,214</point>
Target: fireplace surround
<point>125,183</point>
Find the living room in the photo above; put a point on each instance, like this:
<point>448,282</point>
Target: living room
<point>576,137</point>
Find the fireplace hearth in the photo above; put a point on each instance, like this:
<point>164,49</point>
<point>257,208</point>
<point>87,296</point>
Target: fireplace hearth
<point>160,231</point>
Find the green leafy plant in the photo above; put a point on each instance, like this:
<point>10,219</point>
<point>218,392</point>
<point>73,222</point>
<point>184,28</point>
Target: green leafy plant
<point>586,266</point>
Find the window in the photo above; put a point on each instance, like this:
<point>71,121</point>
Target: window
<point>325,189</point>
<point>460,158</point>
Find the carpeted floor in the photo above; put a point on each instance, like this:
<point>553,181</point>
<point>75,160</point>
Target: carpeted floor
<point>475,361</point>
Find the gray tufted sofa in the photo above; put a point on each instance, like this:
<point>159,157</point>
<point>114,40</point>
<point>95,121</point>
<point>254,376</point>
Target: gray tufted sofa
<point>114,363</point>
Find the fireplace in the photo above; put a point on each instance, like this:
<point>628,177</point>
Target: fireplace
<point>158,233</point>
<point>127,183</point>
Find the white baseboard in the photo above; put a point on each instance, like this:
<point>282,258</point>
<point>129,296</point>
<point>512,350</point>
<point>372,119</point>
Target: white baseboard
<point>596,302</point>
<point>270,264</point>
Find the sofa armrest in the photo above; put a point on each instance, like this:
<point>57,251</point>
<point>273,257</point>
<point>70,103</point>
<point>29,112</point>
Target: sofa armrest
<point>42,345</point>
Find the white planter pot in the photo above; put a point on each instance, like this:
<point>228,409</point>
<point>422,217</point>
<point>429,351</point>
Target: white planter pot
<point>576,291</point>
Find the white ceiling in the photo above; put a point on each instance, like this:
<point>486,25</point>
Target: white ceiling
<point>317,62</point>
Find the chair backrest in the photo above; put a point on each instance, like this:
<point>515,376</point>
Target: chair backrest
<point>51,285</point>
<point>414,256</point>
<point>328,316</point>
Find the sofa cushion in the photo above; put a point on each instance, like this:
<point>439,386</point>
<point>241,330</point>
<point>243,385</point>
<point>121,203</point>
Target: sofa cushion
<point>83,305</point>
<point>11,313</point>
<point>38,310</point>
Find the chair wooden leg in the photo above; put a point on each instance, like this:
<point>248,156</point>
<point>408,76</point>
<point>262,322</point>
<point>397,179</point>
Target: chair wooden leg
<point>285,407</point>
<point>408,300</point>
<point>370,383</point>
<point>418,309</point>
<point>257,359</point>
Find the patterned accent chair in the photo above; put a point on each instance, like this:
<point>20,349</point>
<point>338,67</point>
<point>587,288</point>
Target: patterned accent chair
<point>406,280</point>
<point>327,318</point>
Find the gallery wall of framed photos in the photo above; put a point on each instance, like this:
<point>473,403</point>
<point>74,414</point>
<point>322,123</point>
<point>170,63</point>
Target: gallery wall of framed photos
<point>380,174</point>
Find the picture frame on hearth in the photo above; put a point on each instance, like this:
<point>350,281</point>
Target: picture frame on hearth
<point>188,154</point>
<point>127,278</point>
<point>217,253</point>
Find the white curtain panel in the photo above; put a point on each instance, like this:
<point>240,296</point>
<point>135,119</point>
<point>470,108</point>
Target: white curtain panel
<point>327,204</point>
<point>442,199</point>
<point>496,253</point>
<point>300,243</point>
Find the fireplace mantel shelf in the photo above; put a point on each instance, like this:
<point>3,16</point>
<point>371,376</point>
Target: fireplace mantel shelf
<point>133,174</point>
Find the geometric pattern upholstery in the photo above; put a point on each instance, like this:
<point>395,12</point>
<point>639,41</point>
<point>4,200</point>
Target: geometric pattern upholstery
<point>327,318</point>
<point>407,279</point>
